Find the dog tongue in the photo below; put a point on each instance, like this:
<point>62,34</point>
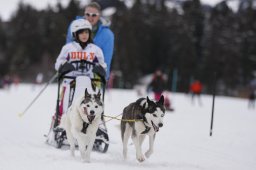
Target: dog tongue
<point>155,127</point>
<point>91,118</point>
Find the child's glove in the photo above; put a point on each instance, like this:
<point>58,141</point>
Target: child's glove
<point>98,69</point>
<point>65,68</point>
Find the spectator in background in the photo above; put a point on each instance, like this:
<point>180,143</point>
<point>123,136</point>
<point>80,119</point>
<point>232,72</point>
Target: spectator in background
<point>251,103</point>
<point>7,82</point>
<point>103,37</point>
<point>16,80</point>
<point>158,85</point>
<point>1,83</point>
<point>196,90</point>
<point>39,78</point>
<point>111,81</point>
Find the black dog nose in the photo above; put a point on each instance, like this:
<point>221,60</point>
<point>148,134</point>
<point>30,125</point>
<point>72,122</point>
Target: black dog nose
<point>92,112</point>
<point>160,125</point>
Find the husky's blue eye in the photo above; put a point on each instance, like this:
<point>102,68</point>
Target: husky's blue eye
<point>162,115</point>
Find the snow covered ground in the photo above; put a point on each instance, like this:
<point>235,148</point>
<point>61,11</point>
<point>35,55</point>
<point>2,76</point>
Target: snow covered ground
<point>183,143</point>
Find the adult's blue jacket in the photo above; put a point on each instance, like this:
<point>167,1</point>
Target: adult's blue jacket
<point>104,38</point>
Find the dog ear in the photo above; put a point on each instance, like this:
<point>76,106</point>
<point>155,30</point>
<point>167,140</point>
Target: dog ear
<point>148,100</point>
<point>150,103</point>
<point>86,94</point>
<point>161,100</point>
<point>98,95</point>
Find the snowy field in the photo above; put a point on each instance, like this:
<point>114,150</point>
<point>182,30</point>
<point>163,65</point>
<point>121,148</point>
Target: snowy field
<point>183,143</point>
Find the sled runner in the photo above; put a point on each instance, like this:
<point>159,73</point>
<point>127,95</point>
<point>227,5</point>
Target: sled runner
<point>77,83</point>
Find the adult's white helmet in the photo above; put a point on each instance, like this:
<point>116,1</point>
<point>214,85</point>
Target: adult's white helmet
<point>80,24</point>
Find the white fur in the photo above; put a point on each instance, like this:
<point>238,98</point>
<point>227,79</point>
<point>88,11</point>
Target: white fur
<point>72,122</point>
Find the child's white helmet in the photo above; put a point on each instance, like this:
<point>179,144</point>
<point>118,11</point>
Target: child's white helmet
<point>80,24</point>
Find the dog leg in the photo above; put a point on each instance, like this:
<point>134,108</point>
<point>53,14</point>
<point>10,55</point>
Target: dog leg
<point>89,147</point>
<point>141,138</point>
<point>151,144</point>
<point>126,136</point>
<point>65,124</point>
<point>71,141</point>
<point>136,141</point>
<point>83,147</point>
<point>80,141</point>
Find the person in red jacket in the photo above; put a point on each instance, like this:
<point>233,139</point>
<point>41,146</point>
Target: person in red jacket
<point>196,90</point>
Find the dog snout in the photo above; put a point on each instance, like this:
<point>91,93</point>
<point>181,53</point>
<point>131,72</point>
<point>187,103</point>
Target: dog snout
<point>160,124</point>
<point>92,112</point>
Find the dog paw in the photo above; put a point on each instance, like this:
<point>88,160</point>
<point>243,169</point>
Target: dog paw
<point>86,160</point>
<point>148,154</point>
<point>72,151</point>
<point>125,157</point>
<point>125,154</point>
<point>72,154</point>
<point>141,158</point>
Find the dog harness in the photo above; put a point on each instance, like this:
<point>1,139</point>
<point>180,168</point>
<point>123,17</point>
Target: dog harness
<point>142,116</point>
<point>146,130</point>
<point>85,126</point>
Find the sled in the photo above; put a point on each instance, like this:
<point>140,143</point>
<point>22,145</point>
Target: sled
<point>57,136</point>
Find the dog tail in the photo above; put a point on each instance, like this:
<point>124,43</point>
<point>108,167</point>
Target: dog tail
<point>122,129</point>
<point>123,123</point>
<point>126,115</point>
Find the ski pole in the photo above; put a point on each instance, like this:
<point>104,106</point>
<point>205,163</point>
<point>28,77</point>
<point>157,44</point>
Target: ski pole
<point>49,82</point>
<point>213,102</point>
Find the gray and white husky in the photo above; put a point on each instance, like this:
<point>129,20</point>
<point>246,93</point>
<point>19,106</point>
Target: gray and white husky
<point>81,123</point>
<point>148,116</point>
